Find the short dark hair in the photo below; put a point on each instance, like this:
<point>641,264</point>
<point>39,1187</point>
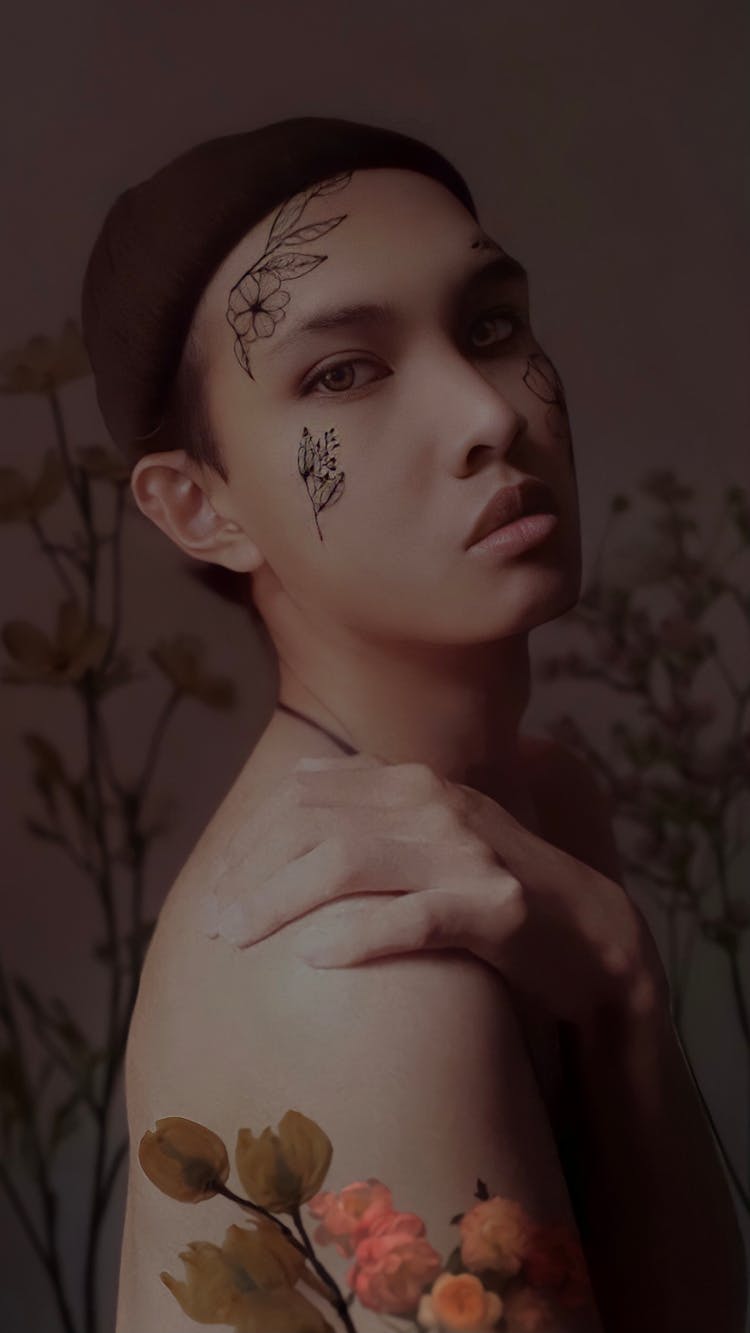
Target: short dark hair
<point>187,420</point>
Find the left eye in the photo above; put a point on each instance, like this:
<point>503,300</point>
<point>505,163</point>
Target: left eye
<point>504,318</point>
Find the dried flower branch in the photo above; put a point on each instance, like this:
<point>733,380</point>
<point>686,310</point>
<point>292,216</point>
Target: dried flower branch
<point>57,1079</point>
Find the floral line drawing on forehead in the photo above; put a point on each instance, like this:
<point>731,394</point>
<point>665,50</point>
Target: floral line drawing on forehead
<point>541,377</point>
<point>318,466</point>
<point>257,301</point>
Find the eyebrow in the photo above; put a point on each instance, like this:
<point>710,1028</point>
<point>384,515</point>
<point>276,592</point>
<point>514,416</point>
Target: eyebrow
<point>502,267</point>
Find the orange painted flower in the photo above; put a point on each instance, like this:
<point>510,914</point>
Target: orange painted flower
<point>348,1214</point>
<point>184,1159</point>
<point>495,1234</point>
<point>458,1303</point>
<point>281,1171</point>
<point>555,1260</point>
<point>393,1264</point>
<point>526,1311</point>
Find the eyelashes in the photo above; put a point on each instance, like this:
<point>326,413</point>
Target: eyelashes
<point>514,318</point>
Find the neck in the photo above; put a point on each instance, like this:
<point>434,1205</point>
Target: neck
<point>456,708</point>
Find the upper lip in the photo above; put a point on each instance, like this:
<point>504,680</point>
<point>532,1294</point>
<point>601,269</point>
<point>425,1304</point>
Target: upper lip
<point>529,496</point>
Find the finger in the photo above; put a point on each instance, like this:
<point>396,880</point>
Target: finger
<point>358,760</point>
<point>277,821</point>
<point>337,867</point>
<point>391,784</point>
<point>436,919</point>
<point>248,870</point>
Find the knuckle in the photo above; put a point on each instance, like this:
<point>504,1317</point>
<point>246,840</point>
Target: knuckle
<point>421,780</point>
<point>427,928</point>
<point>516,905</point>
<point>619,961</point>
<point>439,821</point>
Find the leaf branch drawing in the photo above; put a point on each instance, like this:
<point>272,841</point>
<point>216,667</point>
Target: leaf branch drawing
<point>318,465</point>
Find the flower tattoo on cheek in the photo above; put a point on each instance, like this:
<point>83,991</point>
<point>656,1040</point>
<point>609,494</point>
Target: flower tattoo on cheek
<point>318,466</point>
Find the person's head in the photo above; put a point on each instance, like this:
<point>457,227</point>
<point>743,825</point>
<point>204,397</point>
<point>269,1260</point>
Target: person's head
<point>344,466</point>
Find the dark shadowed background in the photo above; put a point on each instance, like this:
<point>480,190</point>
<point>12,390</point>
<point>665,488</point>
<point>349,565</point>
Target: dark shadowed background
<point>605,147</point>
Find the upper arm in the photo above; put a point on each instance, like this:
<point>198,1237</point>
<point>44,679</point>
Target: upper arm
<point>413,1065</point>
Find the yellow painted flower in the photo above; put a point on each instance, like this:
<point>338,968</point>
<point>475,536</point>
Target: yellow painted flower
<point>289,1260</point>
<point>281,1171</point>
<point>43,363</point>
<point>184,1159</point>
<point>458,1303</point>
<point>245,1285</point>
<point>265,1253</point>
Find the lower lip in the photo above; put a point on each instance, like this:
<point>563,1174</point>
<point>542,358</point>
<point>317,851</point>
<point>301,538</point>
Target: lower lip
<point>520,535</point>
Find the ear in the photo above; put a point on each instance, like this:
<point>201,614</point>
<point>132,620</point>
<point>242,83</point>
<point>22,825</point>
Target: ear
<point>172,491</point>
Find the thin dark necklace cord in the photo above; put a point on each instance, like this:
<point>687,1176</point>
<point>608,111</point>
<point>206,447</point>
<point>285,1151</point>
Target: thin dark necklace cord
<point>294,712</point>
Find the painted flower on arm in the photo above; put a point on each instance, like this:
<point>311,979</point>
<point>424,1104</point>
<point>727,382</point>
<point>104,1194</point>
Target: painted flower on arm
<point>508,1274</point>
<point>184,1159</point>
<point>528,1311</point>
<point>458,1303</point>
<point>495,1234</point>
<point>247,1284</point>
<point>347,1215</point>
<point>281,1171</point>
<point>555,1260</point>
<point>393,1264</point>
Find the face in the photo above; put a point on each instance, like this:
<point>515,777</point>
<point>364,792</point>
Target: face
<point>373,378</point>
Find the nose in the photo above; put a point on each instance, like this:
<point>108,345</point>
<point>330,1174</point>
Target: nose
<point>476,418</point>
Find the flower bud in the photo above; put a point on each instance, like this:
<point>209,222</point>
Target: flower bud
<point>281,1171</point>
<point>184,1159</point>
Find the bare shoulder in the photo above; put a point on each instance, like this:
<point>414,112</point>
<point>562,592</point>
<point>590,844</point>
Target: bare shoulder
<point>575,809</point>
<point>234,1038</point>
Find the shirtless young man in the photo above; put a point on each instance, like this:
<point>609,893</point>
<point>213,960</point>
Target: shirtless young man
<point>471,867</point>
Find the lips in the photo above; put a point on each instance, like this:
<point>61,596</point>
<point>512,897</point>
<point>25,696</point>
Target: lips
<point>529,496</point>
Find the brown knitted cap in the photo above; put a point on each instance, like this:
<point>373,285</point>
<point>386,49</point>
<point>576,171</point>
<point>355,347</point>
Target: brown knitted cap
<point>162,241</point>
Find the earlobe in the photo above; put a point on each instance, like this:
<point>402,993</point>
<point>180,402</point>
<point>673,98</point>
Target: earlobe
<point>168,492</point>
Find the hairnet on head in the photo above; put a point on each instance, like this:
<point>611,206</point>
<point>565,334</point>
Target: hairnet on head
<point>163,239</point>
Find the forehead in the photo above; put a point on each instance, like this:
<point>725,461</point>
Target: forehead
<point>386,223</point>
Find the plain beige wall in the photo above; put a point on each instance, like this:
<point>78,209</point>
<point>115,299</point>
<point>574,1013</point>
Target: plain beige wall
<point>604,144</point>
